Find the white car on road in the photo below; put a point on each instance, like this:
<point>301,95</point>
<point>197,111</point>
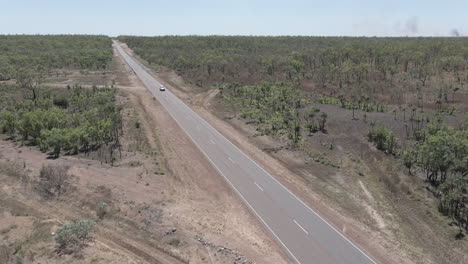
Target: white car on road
<point>162,88</point>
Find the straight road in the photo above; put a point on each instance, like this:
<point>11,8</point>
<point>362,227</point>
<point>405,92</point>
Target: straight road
<point>306,237</point>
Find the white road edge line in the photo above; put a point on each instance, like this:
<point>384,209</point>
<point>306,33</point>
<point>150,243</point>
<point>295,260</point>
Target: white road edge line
<point>305,231</point>
<point>237,191</point>
<point>248,204</point>
<point>232,185</point>
<point>261,189</point>
<point>297,198</point>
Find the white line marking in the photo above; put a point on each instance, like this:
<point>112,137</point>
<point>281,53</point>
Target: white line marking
<point>297,198</point>
<point>305,231</point>
<point>229,158</point>
<point>261,189</point>
<point>123,53</point>
<point>237,191</point>
<point>212,142</point>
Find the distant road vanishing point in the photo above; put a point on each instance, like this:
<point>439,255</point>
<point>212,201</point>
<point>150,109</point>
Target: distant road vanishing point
<point>305,236</point>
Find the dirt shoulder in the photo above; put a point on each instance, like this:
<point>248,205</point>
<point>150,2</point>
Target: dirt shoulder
<point>235,133</point>
<point>204,202</point>
<point>364,193</point>
<point>166,202</point>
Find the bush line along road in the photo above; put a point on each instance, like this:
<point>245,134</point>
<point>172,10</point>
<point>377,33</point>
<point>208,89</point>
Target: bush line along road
<point>306,236</point>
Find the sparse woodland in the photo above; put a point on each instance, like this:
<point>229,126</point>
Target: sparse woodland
<point>278,84</point>
<point>367,69</point>
<point>29,57</point>
<point>282,86</point>
<point>58,121</point>
<point>80,121</point>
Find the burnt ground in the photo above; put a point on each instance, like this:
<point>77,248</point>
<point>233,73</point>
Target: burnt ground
<point>365,193</point>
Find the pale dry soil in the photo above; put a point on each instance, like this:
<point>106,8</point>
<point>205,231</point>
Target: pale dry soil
<point>167,204</point>
<point>370,197</point>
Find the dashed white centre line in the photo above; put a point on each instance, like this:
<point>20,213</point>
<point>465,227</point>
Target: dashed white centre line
<point>212,142</point>
<point>229,158</point>
<point>305,231</point>
<point>259,186</point>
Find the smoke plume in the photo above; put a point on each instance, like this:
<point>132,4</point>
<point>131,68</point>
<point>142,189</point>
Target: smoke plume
<point>412,25</point>
<point>454,33</point>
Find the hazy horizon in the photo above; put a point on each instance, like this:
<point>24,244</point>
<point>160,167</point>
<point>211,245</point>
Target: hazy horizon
<point>363,18</point>
<point>225,35</point>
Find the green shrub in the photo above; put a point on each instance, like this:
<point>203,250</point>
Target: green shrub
<point>383,138</point>
<point>7,123</point>
<point>102,210</point>
<point>61,102</point>
<point>70,238</point>
<point>409,158</point>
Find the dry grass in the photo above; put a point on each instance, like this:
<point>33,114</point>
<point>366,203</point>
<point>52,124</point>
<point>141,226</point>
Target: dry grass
<point>400,215</point>
<point>161,183</point>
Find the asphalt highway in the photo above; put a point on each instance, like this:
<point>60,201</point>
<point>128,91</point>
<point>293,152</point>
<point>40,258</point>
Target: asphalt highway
<point>305,236</point>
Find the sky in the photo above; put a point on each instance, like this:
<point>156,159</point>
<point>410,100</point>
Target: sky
<point>236,17</point>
